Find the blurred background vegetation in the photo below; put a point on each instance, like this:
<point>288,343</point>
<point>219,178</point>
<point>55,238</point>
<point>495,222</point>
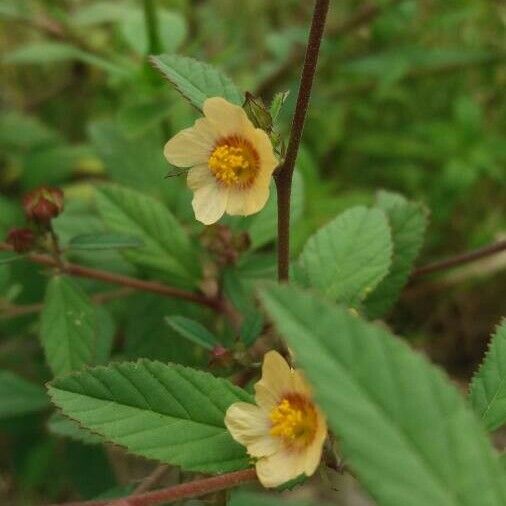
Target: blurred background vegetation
<point>410,97</point>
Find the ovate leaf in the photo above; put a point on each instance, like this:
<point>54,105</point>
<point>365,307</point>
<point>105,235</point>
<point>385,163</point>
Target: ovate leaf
<point>167,248</point>
<point>408,222</point>
<point>348,257</point>
<point>165,412</point>
<point>67,327</point>
<point>195,80</point>
<point>193,331</point>
<point>402,426</point>
<point>65,427</point>
<point>488,388</point>
<point>19,397</point>
<point>104,240</point>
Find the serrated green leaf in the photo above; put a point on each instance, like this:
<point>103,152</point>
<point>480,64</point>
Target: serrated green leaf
<point>67,326</point>
<point>488,387</point>
<point>167,248</point>
<point>104,240</point>
<point>193,331</point>
<point>65,427</point>
<point>165,412</point>
<point>348,257</point>
<point>408,223</point>
<point>196,80</point>
<point>19,397</point>
<point>402,426</point>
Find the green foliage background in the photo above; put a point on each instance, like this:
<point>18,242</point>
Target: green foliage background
<point>411,100</point>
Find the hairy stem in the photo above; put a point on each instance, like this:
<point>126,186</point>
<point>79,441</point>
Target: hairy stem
<point>184,491</point>
<point>458,260</point>
<point>285,172</point>
<point>119,279</point>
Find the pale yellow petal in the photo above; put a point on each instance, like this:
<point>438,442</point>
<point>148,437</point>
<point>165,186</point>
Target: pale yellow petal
<point>263,145</point>
<point>191,146</point>
<point>248,201</point>
<point>300,385</point>
<point>276,381</point>
<point>227,119</point>
<point>209,203</point>
<point>314,450</point>
<point>280,467</point>
<point>250,427</point>
<point>199,176</point>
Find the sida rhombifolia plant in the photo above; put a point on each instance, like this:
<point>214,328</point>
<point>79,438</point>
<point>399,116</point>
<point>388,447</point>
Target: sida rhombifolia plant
<point>287,378</point>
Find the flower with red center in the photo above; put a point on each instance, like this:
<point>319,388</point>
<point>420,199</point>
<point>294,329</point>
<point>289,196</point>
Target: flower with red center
<point>285,431</point>
<point>21,239</point>
<point>231,162</point>
<point>43,204</point>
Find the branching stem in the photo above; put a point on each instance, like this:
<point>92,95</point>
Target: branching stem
<point>285,171</point>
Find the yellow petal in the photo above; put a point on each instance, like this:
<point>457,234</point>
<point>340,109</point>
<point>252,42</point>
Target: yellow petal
<point>247,201</point>
<point>314,450</point>
<point>227,119</point>
<point>199,176</point>
<point>209,203</point>
<point>276,381</point>
<point>280,467</point>
<point>191,146</point>
<point>250,426</point>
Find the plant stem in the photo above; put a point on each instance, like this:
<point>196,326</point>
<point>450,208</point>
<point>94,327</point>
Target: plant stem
<point>119,279</point>
<point>184,491</point>
<point>151,480</point>
<point>151,19</point>
<point>458,260</point>
<point>285,172</point>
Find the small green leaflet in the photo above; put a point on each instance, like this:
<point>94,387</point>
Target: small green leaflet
<point>170,413</point>
<point>19,397</point>
<point>488,387</point>
<point>402,426</point>
<point>408,222</point>
<point>195,80</point>
<point>193,331</point>
<point>67,327</point>
<point>348,257</point>
<point>104,240</point>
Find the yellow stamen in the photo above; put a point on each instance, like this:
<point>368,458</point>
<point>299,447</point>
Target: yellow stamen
<point>294,420</point>
<point>234,162</point>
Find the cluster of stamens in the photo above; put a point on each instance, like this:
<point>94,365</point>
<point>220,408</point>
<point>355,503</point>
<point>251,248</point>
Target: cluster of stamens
<point>233,163</point>
<point>293,420</point>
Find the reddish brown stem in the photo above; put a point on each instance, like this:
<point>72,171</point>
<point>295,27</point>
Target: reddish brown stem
<point>285,172</point>
<point>184,491</point>
<point>458,260</point>
<point>119,279</point>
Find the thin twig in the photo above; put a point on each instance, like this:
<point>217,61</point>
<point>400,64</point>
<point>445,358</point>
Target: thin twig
<point>119,279</point>
<point>458,260</point>
<point>183,491</point>
<point>285,171</point>
<point>98,298</point>
<point>151,480</point>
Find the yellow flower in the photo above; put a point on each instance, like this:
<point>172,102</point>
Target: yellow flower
<point>231,161</point>
<point>285,432</point>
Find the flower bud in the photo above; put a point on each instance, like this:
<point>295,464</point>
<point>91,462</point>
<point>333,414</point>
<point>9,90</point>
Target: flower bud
<point>220,356</point>
<point>43,204</point>
<point>21,239</point>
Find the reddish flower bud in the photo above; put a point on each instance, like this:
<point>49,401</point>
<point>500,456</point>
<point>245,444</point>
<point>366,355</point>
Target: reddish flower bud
<point>43,204</point>
<point>220,356</point>
<point>21,239</point>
